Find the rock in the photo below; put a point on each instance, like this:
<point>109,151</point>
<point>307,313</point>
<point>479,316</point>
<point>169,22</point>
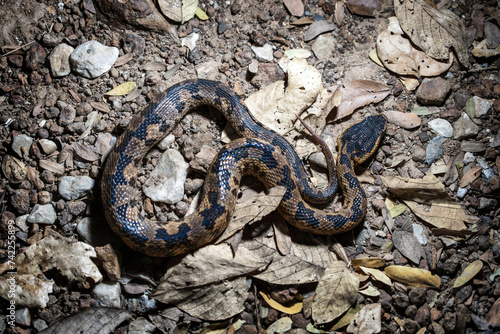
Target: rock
<point>22,143</point>
<point>267,74</point>
<point>166,182</point>
<point>471,146</point>
<point>139,13</point>
<point>295,7</point>
<point>75,187</point>
<point>423,316</point>
<point>481,106</point>
<point>451,114</point>
<point>23,317</point>
<point>42,214</point>
<point>47,146</point>
<point>317,28</point>
<point>464,128</point>
<point>263,53</point>
<point>418,154</point>
<point>95,231</point>
<point>208,70</point>
<point>140,325</point>
<point>487,203</point>
<point>20,200</point>
<point>109,259</point>
<point>39,325</point>
<point>244,56</point>
<point>107,294</point>
<point>324,46</point>
<point>203,159</point>
<point>441,127</point>
<point>35,57</point>
<point>253,67</point>
<point>59,60</point>
<point>434,150</point>
<point>419,233</point>
<point>405,120</point>
<point>461,192</point>
<point>92,59</point>
<point>433,91</point>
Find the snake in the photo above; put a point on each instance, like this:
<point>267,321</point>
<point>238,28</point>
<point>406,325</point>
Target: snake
<point>259,151</point>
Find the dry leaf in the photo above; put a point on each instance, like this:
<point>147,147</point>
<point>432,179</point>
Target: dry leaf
<point>370,291</point>
<point>444,212</point>
<point>469,273</point>
<point>367,321</point>
<point>397,53</point>
<point>407,244</point>
<point>201,14</point>
<point>433,30</point>
<point>178,10</point>
<point>54,167</point>
<point>84,152</point>
<point>294,309</point>
<point>377,275</point>
<point>413,276</point>
<point>405,120</point>
<point>122,60</point>
<point>493,315</point>
<point>253,210</point>
<point>470,176</point>
<point>358,93</point>
<point>363,7</point>
<point>122,89</point>
<point>481,50</point>
<point>91,321</point>
<point>339,12</point>
<point>101,106</point>
<point>211,273</point>
<point>279,326</point>
<point>295,7</point>
<point>14,169</point>
<point>336,292</point>
<point>368,262</point>
<point>347,318</point>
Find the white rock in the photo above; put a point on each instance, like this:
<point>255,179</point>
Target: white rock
<point>461,192</point>
<point>442,127</point>
<point>39,325</point>
<point>92,59</point>
<point>22,143</point>
<point>481,106</point>
<point>263,53</point>
<point>48,146</point>
<point>75,187</point>
<point>419,233</point>
<point>23,317</point>
<point>190,40</point>
<point>107,294</point>
<point>208,70</point>
<point>166,183</point>
<point>323,46</point>
<point>59,60</point>
<point>468,158</point>
<point>166,142</point>
<point>42,214</point>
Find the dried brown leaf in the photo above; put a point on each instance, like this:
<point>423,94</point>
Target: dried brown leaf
<point>369,262</point>
<point>471,175</point>
<point>377,275</point>
<point>84,152</point>
<point>407,244</point>
<point>336,292</point>
<point>433,30</point>
<point>469,272</point>
<point>413,276</point>
<point>14,169</point>
<point>363,7</point>
<point>367,321</point>
<point>358,93</point>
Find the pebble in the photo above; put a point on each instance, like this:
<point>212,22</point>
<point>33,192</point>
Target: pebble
<point>42,214</point>
<point>324,46</point>
<point>166,142</point>
<point>474,147</point>
<point>35,57</point>
<point>166,182</point>
<point>39,325</point>
<point>461,192</point>
<point>48,146</point>
<point>465,128</point>
<point>263,53</point>
<point>487,203</point>
<point>107,294</point>
<point>59,60</point>
<point>433,91</point>
<point>92,59</point>
<point>434,150</point>
<point>405,120</point>
<point>419,233</point>
<point>20,200</point>
<point>441,127</point>
<point>23,317</point>
<point>481,106</point>
<point>22,143</point>
<point>91,231</point>
<point>140,325</point>
<point>67,115</point>
<point>317,28</point>
<point>75,187</point>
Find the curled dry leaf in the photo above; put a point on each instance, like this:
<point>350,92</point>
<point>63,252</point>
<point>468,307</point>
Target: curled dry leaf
<point>91,321</point>
<point>471,175</point>
<point>336,292</point>
<point>444,212</point>
<point>469,272</point>
<point>377,275</point>
<point>363,7</point>
<point>211,273</point>
<point>367,321</point>
<point>14,169</point>
<point>178,10</point>
<point>293,309</point>
<point>280,326</point>
<point>122,89</point>
<point>347,318</point>
<point>433,30</point>
<point>413,276</point>
<point>481,50</point>
<point>368,262</point>
<point>358,93</point>
<point>407,244</point>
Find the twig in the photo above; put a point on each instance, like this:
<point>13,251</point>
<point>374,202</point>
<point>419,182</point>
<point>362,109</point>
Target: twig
<point>482,69</point>
<point>19,48</point>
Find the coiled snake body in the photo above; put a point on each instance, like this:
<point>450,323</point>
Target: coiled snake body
<point>260,152</point>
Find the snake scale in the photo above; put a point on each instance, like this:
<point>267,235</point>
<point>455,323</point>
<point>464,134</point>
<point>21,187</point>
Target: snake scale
<point>260,152</point>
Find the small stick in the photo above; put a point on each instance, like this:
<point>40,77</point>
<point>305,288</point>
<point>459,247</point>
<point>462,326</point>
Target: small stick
<point>19,48</point>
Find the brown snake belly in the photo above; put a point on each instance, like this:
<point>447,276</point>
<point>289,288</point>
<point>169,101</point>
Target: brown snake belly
<point>261,152</point>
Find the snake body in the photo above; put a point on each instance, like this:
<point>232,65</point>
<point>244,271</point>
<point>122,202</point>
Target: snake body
<point>261,152</point>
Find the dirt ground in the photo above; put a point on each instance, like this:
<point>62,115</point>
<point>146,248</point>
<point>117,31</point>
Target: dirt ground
<point>56,111</point>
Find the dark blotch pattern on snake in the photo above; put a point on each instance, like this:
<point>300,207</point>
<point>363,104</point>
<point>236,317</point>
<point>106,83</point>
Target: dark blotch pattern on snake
<point>261,152</point>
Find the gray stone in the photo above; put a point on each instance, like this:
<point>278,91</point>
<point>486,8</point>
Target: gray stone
<point>464,128</point>
<point>468,158</point>
<point>48,146</point>
<point>481,106</point>
<point>419,233</point>
<point>39,325</point>
<point>323,46</point>
<point>42,214</point>
<point>317,28</point>
<point>263,53</point>
<point>107,294</point>
<point>166,142</point>
<point>23,317</point>
<point>461,192</point>
<point>59,60</point>
<point>22,143</point>
<point>92,59</point>
<point>141,325</point>
<point>434,150</point>
<point>75,187</point>
<point>441,127</point>
<point>166,182</point>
